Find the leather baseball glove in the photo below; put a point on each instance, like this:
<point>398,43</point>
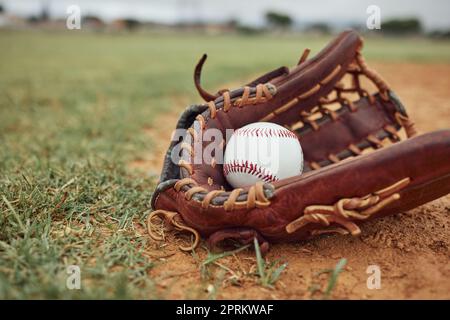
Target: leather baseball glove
<point>363,158</point>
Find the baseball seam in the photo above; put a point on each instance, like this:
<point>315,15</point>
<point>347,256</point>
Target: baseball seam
<point>265,132</point>
<point>241,166</point>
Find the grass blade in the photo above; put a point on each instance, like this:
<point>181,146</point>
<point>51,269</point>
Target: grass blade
<point>214,257</point>
<point>333,277</point>
<point>14,213</point>
<point>276,274</point>
<point>260,261</point>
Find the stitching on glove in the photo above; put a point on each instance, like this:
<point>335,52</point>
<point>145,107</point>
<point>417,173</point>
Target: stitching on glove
<point>394,136</point>
<point>353,148</point>
<point>305,95</point>
<point>254,198</point>
<point>375,141</point>
<point>406,123</point>
<point>213,162</point>
<point>184,164</point>
<point>310,92</point>
<point>231,201</point>
<point>333,158</point>
<point>331,75</point>
<point>208,198</point>
<point>371,140</point>
<point>262,94</point>
<point>306,117</point>
<point>172,219</point>
<point>193,133</point>
<point>201,121</point>
<point>357,68</point>
<point>347,209</point>
<point>372,75</point>
<point>226,101</point>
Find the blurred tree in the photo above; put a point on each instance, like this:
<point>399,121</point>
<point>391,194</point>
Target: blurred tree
<point>131,24</point>
<point>402,26</point>
<point>248,30</point>
<point>45,13</point>
<point>278,20</point>
<point>232,23</point>
<point>93,22</point>
<point>1,8</point>
<point>440,34</point>
<point>319,27</point>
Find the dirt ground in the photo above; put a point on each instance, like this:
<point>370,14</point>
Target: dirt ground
<point>411,248</point>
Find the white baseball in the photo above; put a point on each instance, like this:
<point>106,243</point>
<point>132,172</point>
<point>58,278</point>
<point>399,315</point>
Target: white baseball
<point>261,151</point>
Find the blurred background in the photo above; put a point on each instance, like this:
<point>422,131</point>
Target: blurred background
<point>215,16</point>
<point>94,72</point>
<point>90,91</point>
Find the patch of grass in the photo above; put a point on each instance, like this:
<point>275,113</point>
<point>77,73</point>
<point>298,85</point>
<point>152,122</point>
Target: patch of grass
<point>94,228</point>
<point>268,273</point>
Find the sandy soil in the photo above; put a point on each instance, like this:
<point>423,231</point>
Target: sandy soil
<point>411,248</point>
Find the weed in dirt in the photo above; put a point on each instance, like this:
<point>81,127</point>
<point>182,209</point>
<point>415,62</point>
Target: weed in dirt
<point>332,279</point>
<point>213,274</point>
<point>268,273</point>
<point>212,259</point>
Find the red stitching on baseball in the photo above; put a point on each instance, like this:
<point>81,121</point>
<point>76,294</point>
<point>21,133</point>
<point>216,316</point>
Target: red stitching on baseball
<point>240,166</point>
<point>267,132</point>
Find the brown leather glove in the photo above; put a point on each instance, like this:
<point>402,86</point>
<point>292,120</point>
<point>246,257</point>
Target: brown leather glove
<point>350,125</point>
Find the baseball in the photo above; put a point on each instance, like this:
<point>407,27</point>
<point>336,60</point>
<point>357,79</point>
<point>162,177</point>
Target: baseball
<point>261,151</point>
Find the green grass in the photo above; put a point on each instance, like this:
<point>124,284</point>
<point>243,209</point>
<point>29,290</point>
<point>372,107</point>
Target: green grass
<point>73,107</point>
<point>268,273</point>
<point>332,280</point>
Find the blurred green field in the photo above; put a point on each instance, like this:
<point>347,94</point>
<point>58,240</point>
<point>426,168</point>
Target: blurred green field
<point>73,107</point>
